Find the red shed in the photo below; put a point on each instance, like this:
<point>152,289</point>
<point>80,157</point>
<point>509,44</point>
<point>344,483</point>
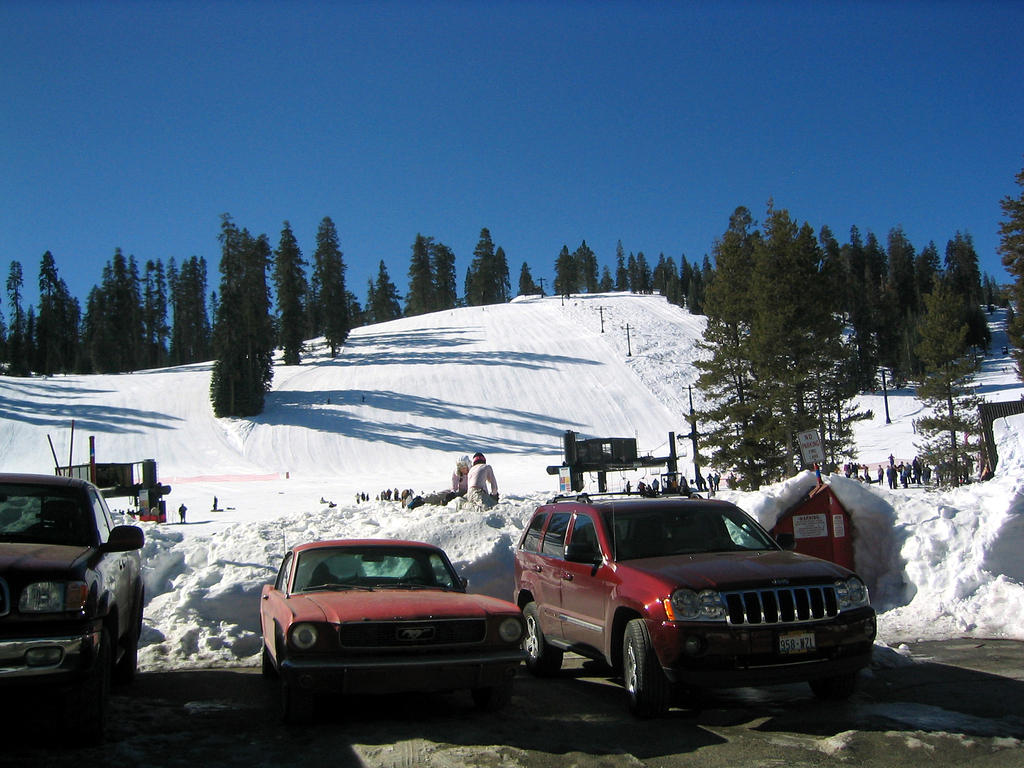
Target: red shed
<point>821,527</point>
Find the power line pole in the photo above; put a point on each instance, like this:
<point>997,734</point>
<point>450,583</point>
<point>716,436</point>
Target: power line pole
<point>693,438</point>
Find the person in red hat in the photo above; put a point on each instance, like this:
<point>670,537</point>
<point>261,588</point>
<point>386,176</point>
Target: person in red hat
<point>483,487</point>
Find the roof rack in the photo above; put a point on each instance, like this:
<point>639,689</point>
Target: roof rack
<point>586,498</point>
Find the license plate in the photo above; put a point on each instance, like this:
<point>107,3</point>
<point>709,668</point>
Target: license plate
<point>796,642</point>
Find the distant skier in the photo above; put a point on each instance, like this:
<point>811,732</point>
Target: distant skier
<point>181,513</point>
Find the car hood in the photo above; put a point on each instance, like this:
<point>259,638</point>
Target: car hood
<point>394,605</point>
<point>39,557</point>
<point>728,570</point>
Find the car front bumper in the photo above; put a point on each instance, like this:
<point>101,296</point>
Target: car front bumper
<point>52,658</point>
<point>391,674</point>
<point>715,655</point>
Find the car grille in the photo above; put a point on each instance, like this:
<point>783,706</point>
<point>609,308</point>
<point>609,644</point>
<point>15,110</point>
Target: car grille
<point>5,598</point>
<point>401,634</point>
<point>782,605</point>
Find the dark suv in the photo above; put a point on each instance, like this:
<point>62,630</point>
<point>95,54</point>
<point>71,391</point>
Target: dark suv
<point>675,592</point>
<point>70,598</point>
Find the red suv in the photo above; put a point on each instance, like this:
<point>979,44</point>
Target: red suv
<point>675,591</point>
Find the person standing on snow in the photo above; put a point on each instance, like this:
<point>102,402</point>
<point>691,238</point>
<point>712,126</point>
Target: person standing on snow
<point>483,488</point>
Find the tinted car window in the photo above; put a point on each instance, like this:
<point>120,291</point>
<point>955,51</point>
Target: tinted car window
<point>101,514</point>
<point>584,533</point>
<point>282,575</point>
<point>44,515</point>
<point>554,539</point>
<point>681,531</point>
<point>531,540</point>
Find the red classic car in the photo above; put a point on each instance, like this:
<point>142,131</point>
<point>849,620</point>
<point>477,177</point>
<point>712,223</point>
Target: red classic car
<point>381,616</point>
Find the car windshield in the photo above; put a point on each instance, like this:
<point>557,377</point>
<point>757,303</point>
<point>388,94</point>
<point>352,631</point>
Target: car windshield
<point>685,530</point>
<point>43,515</point>
<point>373,567</point>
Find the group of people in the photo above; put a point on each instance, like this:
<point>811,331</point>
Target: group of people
<point>473,479</point>
<point>895,473</point>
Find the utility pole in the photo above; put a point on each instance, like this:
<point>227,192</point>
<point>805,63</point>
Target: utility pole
<point>629,349</point>
<point>885,397</point>
<point>600,311</point>
<point>693,438</point>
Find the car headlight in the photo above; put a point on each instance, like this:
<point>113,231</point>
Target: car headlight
<point>53,597</point>
<point>688,605</point>
<point>851,593</point>
<point>510,630</point>
<point>304,636</point>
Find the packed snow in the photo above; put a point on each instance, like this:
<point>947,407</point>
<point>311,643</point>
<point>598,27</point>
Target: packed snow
<point>403,400</point>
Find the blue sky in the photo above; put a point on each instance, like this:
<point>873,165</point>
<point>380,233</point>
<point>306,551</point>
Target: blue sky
<point>137,124</point>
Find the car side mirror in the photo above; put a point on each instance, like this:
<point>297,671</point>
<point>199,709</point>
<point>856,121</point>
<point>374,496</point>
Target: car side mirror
<point>582,553</point>
<point>786,540</point>
<point>124,538</point>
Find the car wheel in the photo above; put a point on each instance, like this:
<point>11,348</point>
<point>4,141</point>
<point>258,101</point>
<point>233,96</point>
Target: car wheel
<point>86,707</point>
<point>267,664</point>
<point>493,698</point>
<point>835,688</point>
<point>126,666</point>
<point>296,705</point>
<point>541,658</point>
<point>649,690</point>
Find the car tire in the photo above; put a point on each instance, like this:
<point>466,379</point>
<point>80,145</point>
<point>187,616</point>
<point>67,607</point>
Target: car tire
<point>834,688</point>
<point>86,707</point>
<point>492,698</point>
<point>267,667</point>
<point>126,666</point>
<point>542,659</point>
<point>650,692</point>
<point>296,705</point>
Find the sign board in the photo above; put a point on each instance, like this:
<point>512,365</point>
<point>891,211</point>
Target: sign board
<point>810,526</point>
<point>564,480</point>
<point>810,447</point>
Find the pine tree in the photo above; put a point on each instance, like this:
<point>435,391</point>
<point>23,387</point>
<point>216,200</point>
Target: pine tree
<point>154,315</point>
<point>442,267</point>
<point>479,279</point>
<point>775,365</point>
<point>384,302</point>
<point>17,337</point>
<point>606,284</point>
<point>727,376</point>
<point>333,316</point>
<point>621,273</point>
<point>965,279</point>
<point>487,278</point>
<point>565,273</point>
<point>420,297</point>
<point>243,337</point>
<point>585,262</point>
<point>947,386</point>
<point>292,288</point>
<point>57,322</point>
<point>1011,248</point>
<point>500,287</point>
<point>190,328</point>
<point>527,287</point>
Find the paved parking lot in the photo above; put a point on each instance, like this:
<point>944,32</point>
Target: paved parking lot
<point>960,702</point>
